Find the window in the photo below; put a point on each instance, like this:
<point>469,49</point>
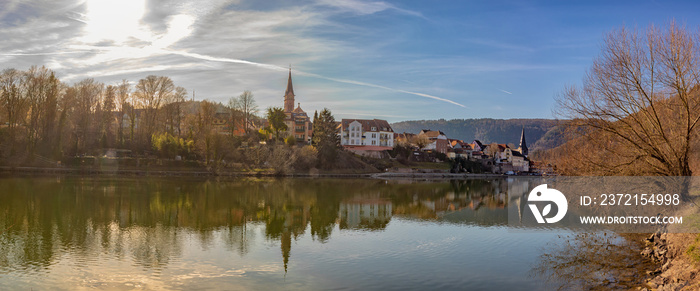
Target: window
<point>374,135</point>
<point>374,142</point>
<point>374,128</point>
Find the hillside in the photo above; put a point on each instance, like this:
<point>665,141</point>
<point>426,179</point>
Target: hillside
<point>539,133</point>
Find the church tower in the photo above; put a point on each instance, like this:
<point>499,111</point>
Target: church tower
<point>523,145</point>
<point>289,95</point>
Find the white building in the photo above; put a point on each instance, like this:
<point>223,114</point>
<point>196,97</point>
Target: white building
<point>365,132</point>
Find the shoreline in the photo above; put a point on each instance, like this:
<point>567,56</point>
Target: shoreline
<point>205,173</point>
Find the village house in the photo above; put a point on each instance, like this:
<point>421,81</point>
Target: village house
<point>366,132</point>
<point>459,148</point>
<point>438,140</point>
<point>368,137</point>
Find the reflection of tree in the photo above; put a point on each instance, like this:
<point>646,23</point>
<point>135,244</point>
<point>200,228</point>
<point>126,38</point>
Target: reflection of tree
<point>592,261</point>
<point>144,218</point>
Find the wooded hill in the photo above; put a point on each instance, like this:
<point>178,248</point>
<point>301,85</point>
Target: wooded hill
<point>539,133</point>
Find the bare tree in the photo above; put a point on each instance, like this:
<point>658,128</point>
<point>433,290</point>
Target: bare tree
<point>123,108</point>
<point>421,141</point>
<point>205,129</point>
<point>14,104</point>
<point>152,92</point>
<point>107,116</point>
<point>246,105</point>
<point>41,89</point>
<point>639,101</point>
<point>12,98</point>
<point>87,103</point>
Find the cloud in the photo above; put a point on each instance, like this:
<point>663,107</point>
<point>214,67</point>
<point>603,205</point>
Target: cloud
<point>365,8</point>
<point>278,68</point>
<point>504,91</point>
<point>214,47</point>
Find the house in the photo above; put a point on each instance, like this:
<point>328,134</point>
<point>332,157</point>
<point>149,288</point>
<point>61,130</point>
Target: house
<point>477,146</point>
<point>438,140</point>
<point>459,149</point>
<point>366,132</point>
<point>298,122</point>
<point>366,137</point>
<point>519,162</point>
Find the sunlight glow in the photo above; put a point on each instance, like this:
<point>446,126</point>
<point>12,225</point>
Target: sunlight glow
<point>114,20</point>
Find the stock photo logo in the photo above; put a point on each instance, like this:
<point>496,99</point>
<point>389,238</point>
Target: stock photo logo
<point>542,194</point>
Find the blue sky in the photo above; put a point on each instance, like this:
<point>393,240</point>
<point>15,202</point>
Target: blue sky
<point>394,60</point>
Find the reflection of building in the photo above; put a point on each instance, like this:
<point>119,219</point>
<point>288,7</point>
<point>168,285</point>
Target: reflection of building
<point>365,213</point>
<point>298,123</point>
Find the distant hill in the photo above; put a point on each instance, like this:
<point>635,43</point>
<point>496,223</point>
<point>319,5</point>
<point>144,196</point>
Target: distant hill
<point>539,133</point>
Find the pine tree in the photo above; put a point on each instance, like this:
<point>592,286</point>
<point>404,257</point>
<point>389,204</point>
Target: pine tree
<point>325,138</point>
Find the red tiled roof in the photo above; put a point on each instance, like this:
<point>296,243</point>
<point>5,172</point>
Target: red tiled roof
<point>367,124</point>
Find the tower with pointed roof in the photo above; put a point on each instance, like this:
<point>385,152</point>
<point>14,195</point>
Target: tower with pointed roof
<point>298,123</point>
<point>289,94</point>
<point>523,145</point>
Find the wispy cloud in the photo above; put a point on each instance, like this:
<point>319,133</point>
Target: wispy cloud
<point>366,7</point>
<point>504,91</point>
<point>278,68</point>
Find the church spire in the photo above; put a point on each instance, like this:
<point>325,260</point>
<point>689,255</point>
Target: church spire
<point>523,144</point>
<point>289,94</point>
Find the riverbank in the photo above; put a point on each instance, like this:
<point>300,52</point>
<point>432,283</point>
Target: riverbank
<point>314,173</point>
<point>678,260</point>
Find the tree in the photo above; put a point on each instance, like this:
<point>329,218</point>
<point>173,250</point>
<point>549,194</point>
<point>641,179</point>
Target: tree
<point>275,117</point>
<point>205,129</point>
<point>326,138</point>
<point>87,103</point>
<point>152,93</point>
<point>13,102</point>
<point>246,105</point>
<point>41,88</point>
<point>640,101</point>
<point>421,141</point>
<point>124,108</point>
<point>173,111</point>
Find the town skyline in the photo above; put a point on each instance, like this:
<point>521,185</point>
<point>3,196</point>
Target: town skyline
<point>396,61</point>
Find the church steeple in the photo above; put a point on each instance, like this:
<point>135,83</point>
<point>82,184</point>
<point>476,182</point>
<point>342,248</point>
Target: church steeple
<point>523,144</point>
<point>289,94</point>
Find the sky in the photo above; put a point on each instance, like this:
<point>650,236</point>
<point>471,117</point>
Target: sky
<point>393,60</point>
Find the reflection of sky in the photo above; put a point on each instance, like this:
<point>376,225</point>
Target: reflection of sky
<point>407,254</point>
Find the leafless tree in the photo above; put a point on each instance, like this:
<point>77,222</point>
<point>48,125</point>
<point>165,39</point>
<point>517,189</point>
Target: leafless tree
<point>639,101</point>
<point>152,92</point>
<point>41,89</point>
<point>421,141</point>
<point>87,104</point>
<point>246,105</point>
<point>12,98</point>
<point>124,108</point>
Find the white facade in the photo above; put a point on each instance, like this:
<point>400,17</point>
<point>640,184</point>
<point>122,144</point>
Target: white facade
<point>371,134</point>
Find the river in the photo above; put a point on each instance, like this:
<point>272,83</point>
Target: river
<point>125,233</point>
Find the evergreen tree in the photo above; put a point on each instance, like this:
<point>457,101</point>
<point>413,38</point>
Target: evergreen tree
<point>325,138</point>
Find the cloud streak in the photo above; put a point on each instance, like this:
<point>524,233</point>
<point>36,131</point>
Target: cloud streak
<point>346,81</point>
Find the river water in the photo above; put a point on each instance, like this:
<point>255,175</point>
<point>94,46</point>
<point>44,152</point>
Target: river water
<point>126,233</point>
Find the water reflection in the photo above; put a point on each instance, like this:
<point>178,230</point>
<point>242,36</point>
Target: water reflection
<point>140,218</point>
<point>594,261</point>
<point>193,231</point>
